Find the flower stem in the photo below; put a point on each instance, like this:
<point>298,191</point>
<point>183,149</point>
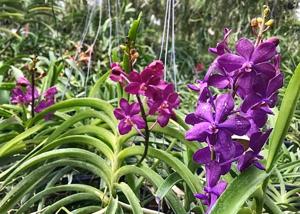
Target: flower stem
<point>32,91</point>
<point>147,131</point>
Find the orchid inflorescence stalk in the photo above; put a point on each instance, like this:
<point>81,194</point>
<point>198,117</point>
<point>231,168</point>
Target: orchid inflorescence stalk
<point>249,79</point>
<point>149,90</point>
<point>26,93</point>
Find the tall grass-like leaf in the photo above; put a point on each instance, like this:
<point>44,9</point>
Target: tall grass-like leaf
<point>285,115</point>
<point>239,191</point>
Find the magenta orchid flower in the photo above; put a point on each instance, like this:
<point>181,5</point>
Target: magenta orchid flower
<point>129,116</point>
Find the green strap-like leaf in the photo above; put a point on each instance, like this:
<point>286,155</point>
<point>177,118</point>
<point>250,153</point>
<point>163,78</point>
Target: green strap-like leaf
<point>88,113</point>
<point>85,210</point>
<point>238,191</point>
<point>285,115</point>
<point>5,148</point>
<point>69,200</point>
<point>97,104</point>
<point>112,205</point>
<point>99,132</point>
<point>155,180</point>
<point>96,88</point>
<point>80,154</point>
<point>82,140</point>
<point>62,188</point>
<point>165,187</point>
<point>192,181</point>
<point>131,197</point>
<point>134,28</point>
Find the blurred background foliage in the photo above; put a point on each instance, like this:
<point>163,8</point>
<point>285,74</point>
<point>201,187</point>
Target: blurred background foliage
<point>40,26</point>
<point>54,30</point>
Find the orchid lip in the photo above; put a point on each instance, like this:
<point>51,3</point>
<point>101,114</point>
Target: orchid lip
<point>248,66</point>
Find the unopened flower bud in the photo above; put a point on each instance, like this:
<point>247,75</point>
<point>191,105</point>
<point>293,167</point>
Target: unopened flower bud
<point>266,10</point>
<point>123,47</point>
<point>254,22</point>
<point>259,20</point>
<point>270,22</point>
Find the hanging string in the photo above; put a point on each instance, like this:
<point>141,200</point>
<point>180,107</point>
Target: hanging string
<point>117,24</point>
<point>167,38</point>
<point>91,11</point>
<point>173,45</point>
<point>92,49</point>
<point>110,31</point>
<point>164,31</point>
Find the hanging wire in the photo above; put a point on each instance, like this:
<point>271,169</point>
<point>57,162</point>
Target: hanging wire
<point>117,22</point>
<point>92,49</point>
<point>167,38</point>
<point>91,11</point>
<point>110,31</point>
<point>173,45</point>
<point>164,31</point>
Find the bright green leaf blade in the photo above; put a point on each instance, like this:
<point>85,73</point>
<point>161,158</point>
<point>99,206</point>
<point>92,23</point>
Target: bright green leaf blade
<point>96,88</point>
<point>285,115</point>
<point>131,197</point>
<point>239,191</point>
<point>134,28</point>
<point>165,187</point>
<point>112,205</point>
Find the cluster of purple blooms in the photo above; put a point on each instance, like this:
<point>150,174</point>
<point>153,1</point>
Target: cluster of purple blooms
<point>159,96</point>
<point>22,94</point>
<point>249,80</point>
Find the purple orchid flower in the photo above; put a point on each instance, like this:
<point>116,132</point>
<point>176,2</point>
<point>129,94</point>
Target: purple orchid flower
<point>211,194</point>
<point>22,81</point>
<point>252,156</point>
<point>214,120</point>
<point>249,61</point>
<point>129,117</point>
<point>117,74</point>
<point>253,73</point>
<point>22,93</point>
<point>157,68</point>
<point>250,58</point>
<point>214,188</point>
<point>50,92</point>
<point>49,99</point>
<point>215,77</point>
<point>222,47</point>
<point>143,83</point>
<point>264,94</point>
<point>164,101</point>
